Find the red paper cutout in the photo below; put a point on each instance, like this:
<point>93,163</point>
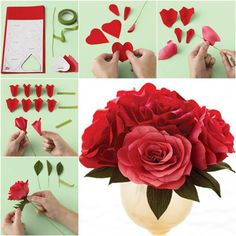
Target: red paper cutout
<point>96,36</point>
<point>21,123</point>
<point>113,28</point>
<point>132,28</point>
<point>190,34</point>
<point>168,51</point>
<point>178,33</point>
<point>14,90</point>
<point>51,104</point>
<point>169,17</point>
<point>38,103</point>
<point>38,89</point>
<point>18,191</point>
<point>114,9</point>
<point>27,89</point>
<point>50,90</point>
<point>74,66</point>
<point>186,15</point>
<point>26,104</point>
<point>210,35</point>
<point>127,12</point>
<point>12,104</point>
<point>37,126</point>
<point>122,50</point>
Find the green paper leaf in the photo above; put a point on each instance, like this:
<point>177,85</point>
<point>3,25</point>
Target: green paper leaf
<point>220,166</point>
<point>38,167</point>
<point>103,172</point>
<point>60,169</point>
<point>117,177</point>
<point>21,204</point>
<point>49,168</point>
<point>205,180</point>
<point>188,190</point>
<point>158,200</point>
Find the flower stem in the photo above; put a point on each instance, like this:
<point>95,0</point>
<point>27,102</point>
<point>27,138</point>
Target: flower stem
<point>64,123</point>
<point>66,93</point>
<point>68,107</point>
<point>38,182</point>
<point>31,146</point>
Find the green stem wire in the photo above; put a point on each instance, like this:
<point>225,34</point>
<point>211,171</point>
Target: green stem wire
<point>31,146</point>
<point>68,107</point>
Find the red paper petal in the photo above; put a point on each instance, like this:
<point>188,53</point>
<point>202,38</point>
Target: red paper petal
<point>38,103</point>
<point>114,9</point>
<point>113,28</point>
<point>96,36</point>
<point>122,50</point>
<point>50,90</point>
<point>168,51</point>
<point>178,33</point>
<point>190,34</point>
<point>37,126</point>
<point>74,65</point>
<point>186,14</point>
<point>26,104</point>
<point>27,89</point>
<point>18,191</point>
<point>21,123</point>
<point>14,90</point>
<point>38,89</point>
<point>51,104</point>
<point>169,17</point>
<point>132,28</point>
<point>12,104</point>
<point>210,35</point>
<point>127,12</point>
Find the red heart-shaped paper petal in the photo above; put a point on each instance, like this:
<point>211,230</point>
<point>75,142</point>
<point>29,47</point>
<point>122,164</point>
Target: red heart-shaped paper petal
<point>178,33</point>
<point>190,34</point>
<point>210,35</point>
<point>186,15</point>
<point>14,90</point>
<point>12,104</point>
<point>50,90</point>
<point>38,103</point>
<point>51,104</point>
<point>21,123</point>
<point>168,51</point>
<point>26,104</point>
<point>122,50</point>
<point>169,17</point>
<point>127,12</point>
<point>37,126</point>
<point>27,89</point>
<point>38,89</point>
<point>114,9</point>
<point>74,65</point>
<point>96,36</point>
<point>113,28</point>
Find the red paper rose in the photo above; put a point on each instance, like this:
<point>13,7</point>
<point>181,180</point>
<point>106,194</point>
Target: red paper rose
<point>21,123</point>
<point>18,191</point>
<point>155,158</point>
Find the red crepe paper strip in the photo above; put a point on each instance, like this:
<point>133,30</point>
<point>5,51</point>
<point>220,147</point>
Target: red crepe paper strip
<point>190,34</point>
<point>210,35</point>
<point>50,90</point>
<point>96,36</point>
<point>178,33</point>
<point>122,50</point>
<point>26,104</point>
<point>168,17</point>
<point>18,191</point>
<point>27,89</point>
<point>168,51</point>
<point>38,89</point>
<point>132,28</point>
<point>186,15</point>
<point>38,103</point>
<point>14,90</point>
<point>37,126</point>
<point>21,123</point>
<point>127,12</point>
<point>113,28</point>
<point>12,104</point>
<point>114,9</point>
<point>51,104</point>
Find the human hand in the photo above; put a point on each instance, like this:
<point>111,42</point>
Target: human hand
<point>228,59</point>
<point>54,144</point>
<point>200,62</point>
<point>143,63</point>
<point>12,224</point>
<point>106,65</point>
<point>17,144</point>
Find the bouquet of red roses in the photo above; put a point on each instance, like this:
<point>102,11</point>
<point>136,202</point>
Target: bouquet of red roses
<point>157,138</point>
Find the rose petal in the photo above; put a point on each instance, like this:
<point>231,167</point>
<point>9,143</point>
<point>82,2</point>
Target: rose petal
<point>38,103</point>
<point>21,123</point>
<point>51,104</point>
<point>12,104</point>
<point>50,90</point>
<point>27,89</point>
<point>168,17</point>
<point>127,12</point>
<point>14,90</point>
<point>38,89</point>
<point>168,51</point>
<point>190,34</point>
<point>37,126</point>
<point>178,33</point>
<point>26,104</point>
<point>210,35</point>
<point>186,15</point>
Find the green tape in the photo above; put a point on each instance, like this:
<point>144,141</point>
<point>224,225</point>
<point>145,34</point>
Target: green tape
<point>66,183</point>
<point>68,107</point>
<point>66,93</point>
<point>63,124</point>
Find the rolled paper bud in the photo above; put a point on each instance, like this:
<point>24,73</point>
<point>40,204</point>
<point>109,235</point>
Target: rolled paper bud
<point>12,104</point>
<point>38,103</point>
<point>14,90</point>
<point>27,89</point>
<point>51,104</point>
<point>21,123</point>
<point>38,89</point>
<point>37,126</point>
<point>50,90</point>
<point>26,104</point>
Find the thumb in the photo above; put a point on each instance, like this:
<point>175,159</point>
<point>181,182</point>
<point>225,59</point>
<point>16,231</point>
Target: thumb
<point>132,58</point>
<point>116,56</point>
<point>226,62</point>
<point>203,50</point>
<point>36,199</point>
<point>17,216</point>
<point>49,134</point>
<point>20,137</point>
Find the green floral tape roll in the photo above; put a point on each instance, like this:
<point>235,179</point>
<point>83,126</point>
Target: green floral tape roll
<point>64,21</point>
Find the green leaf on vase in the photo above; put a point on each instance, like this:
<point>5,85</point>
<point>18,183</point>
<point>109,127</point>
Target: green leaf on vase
<point>220,166</point>
<point>117,177</point>
<point>38,167</point>
<point>158,200</point>
<point>103,172</point>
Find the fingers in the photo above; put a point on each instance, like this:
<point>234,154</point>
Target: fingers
<point>18,216</point>
<point>48,145</point>
<point>132,58</point>
<point>203,50</point>
<point>195,50</point>
<point>36,199</point>
<point>210,61</point>
<point>226,62</point>
<point>115,57</point>
<point>49,135</point>
<point>229,52</point>
<point>20,137</point>
<point>15,135</point>
<point>8,217</point>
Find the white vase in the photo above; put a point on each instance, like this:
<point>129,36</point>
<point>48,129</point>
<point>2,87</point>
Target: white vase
<point>136,205</point>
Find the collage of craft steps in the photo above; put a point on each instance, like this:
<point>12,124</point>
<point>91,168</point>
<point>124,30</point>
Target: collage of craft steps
<point>118,117</point>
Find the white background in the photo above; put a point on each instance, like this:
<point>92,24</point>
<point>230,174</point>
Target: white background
<point>100,209</point>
